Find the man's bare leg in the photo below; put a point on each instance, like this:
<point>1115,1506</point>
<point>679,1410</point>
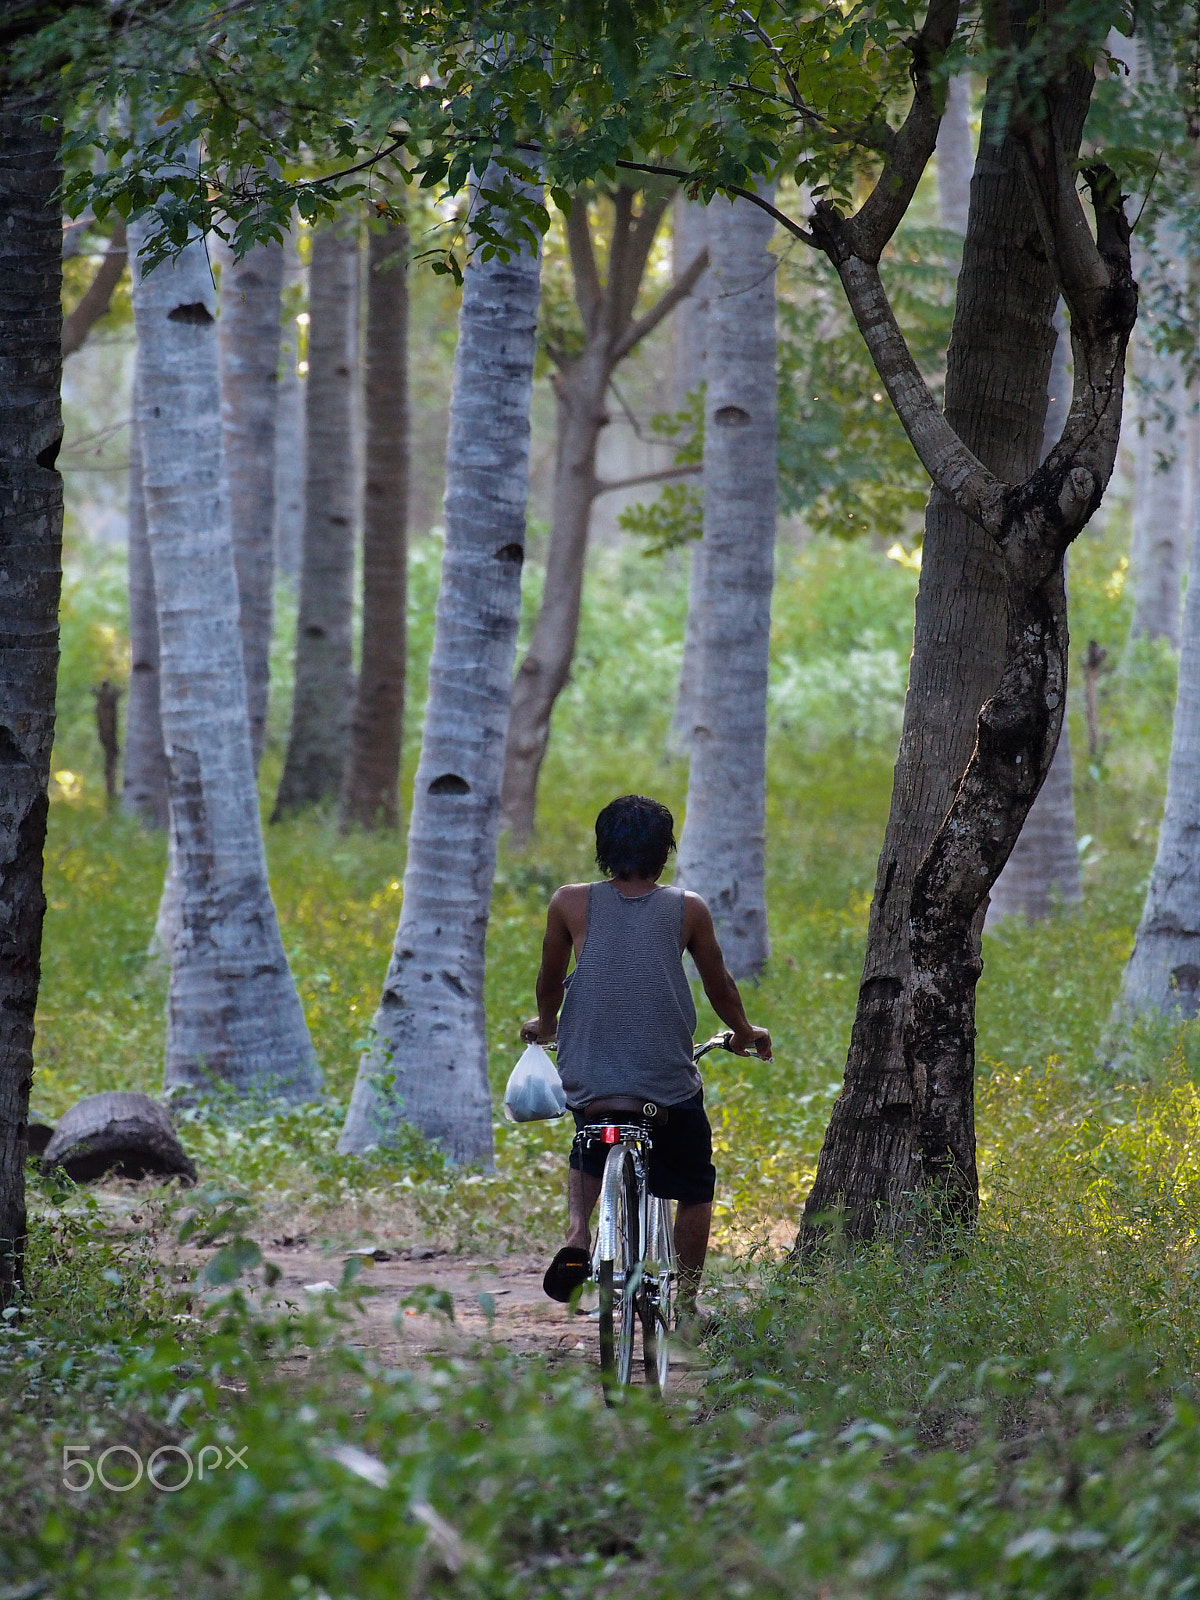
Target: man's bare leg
<point>692,1223</point>
<point>582,1193</point>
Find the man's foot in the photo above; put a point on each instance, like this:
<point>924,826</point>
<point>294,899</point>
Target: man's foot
<point>570,1268</point>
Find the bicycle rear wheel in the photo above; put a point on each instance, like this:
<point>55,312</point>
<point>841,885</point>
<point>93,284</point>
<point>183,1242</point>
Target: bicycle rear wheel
<point>656,1296</point>
<point>619,1263</point>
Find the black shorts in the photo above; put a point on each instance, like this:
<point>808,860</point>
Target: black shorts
<point>681,1165</point>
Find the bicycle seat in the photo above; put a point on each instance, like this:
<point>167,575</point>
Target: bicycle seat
<point>625,1108</point>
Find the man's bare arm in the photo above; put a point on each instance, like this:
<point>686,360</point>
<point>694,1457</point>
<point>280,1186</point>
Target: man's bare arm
<point>723,994</point>
<point>556,957</point>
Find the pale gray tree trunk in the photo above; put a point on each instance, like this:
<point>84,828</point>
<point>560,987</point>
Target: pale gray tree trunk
<point>1163,492</point>
<point>721,851</point>
<point>955,156</point>
<point>689,343</point>
<point>248,337</point>
<point>144,789</point>
<point>1044,866</point>
<point>581,389</point>
<point>233,1014</point>
<point>1163,973</point>
<point>371,791</point>
<point>428,1064</point>
<point>324,680</point>
<point>289,416</point>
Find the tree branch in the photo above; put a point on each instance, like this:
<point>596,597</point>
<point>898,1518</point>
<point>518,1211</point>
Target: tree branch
<point>97,297</point>
<point>957,472</point>
<point>588,292</point>
<point>641,242</point>
<point>604,487</point>
<point>662,307</point>
<point>883,210</point>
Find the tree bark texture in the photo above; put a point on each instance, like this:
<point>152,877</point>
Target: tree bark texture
<point>428,1064</point>
<point>144,785</point>
<point>248,332</point>
<point>908,1096</point>
<point>581,387</point>
<point>289,416</point>
<point>1163,973</point>
<point>97,297</point>
<point>689,343</point>
<point>324,680</point>
<point>371,791</point>
<point>1043,869</point>
<point>31,512</point>
<point>233,1014</point>
<point>1164,490</point>
<point>722,848</point>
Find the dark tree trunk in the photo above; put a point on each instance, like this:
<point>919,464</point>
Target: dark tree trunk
<point>144,790</point>
<point>996,395</point>
<point>320,725</point>
<point>31,508</point>
<point>370,793</point>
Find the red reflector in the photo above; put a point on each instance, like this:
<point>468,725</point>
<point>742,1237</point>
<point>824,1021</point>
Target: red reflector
<point>612,1135</point>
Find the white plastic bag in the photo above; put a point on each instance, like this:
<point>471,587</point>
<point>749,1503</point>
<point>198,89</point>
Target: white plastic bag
<point>534,1092</point>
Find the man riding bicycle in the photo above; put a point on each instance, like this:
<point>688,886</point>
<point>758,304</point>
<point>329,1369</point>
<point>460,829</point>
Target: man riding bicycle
<point>627,1023</point>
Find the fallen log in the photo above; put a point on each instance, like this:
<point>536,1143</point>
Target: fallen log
<point>38,1133</point>
<point>127,1134</point>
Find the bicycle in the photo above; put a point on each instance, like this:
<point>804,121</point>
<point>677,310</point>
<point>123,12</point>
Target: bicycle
<point>633,1258</point>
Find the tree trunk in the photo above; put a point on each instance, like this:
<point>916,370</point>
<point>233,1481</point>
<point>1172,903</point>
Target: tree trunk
<point>581,387</point>
<point>31,511</point>
<point>1044,867</point>
<point>1163,973</point>
<point>324,684</point>
<point>1163,493</point>
<point>955,157</point>
<point>428,1064</point>
<point>688,353</point>
<point>370,794</point>
<point>580,394</point>
<point>232,1010</point>
<point>144,789</point>
<point>289,417</point>
<point>721,852</point>
<point>248,335</point>
<point>997,375</point>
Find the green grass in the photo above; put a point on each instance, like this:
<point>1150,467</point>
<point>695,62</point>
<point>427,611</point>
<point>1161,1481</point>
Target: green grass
<point>1013,1414</point>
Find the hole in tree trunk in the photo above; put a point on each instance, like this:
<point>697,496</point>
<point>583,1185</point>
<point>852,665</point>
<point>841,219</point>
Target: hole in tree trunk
<point>731,417</point>
<point>1185,980</point>
<point>194,313</point>
<point>48,456</point>
<point>510,552</point>
<point>449,783</point>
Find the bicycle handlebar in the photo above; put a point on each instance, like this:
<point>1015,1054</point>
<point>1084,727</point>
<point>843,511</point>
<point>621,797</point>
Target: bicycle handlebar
<point>719,1041</point>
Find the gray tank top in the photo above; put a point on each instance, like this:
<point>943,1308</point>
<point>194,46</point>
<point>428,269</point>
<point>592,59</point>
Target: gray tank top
<point>628,1017</point>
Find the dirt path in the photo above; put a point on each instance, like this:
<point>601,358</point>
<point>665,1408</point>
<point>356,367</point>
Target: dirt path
<point>522,1317</point>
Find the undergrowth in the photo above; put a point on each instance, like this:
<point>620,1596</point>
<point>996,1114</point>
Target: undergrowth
<point>1008,1412</point>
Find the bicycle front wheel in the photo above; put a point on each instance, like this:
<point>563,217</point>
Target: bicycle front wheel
<point>656,1301</point>
<point>619,1264</point>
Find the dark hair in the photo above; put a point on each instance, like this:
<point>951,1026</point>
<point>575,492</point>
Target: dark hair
<point>634,837</point>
